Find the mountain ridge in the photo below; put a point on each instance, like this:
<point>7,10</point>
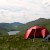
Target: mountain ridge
<point>39,22</point>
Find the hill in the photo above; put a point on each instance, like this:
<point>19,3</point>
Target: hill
<point>9,26</point>
<point>39,22</point>
<point>5,27</point>
<point>16,24</point>
<point>23,27</point>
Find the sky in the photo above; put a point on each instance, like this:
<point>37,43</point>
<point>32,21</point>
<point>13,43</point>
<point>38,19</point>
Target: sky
<point>23,10</point>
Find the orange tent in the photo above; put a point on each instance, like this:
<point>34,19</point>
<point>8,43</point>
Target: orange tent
<point>36,31</point>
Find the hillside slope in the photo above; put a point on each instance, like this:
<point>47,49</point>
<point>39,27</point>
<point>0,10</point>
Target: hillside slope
<point>5,27</point>
<point>16,24</point>
<point>39,22</point>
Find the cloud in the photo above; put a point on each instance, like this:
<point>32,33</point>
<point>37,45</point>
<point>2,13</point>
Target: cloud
<point>23,10</point>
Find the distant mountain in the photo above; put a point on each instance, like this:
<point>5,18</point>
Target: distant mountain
<point>39,22</point>
<point>16,24</point>
<point>5,27</point>
<point>10,26</point>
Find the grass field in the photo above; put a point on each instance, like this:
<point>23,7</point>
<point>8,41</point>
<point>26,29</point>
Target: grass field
<point>17,42</point>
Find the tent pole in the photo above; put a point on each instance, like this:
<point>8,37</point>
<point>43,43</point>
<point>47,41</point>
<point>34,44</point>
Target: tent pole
<point>34,34</point>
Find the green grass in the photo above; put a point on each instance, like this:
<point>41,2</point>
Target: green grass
<point>17,42</point>
<point>3,32</point>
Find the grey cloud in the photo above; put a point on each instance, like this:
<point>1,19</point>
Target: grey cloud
<point>14,9</point>
<point>26,14</point>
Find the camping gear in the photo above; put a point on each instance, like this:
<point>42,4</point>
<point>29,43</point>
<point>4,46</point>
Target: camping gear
<point>36,31</point>
<point>47,38</point>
